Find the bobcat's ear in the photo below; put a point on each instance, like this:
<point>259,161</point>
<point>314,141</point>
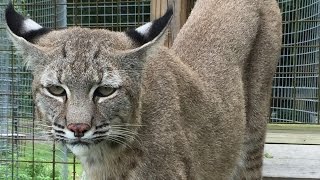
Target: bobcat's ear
<point>23,32</point>
<point>152,32</point>
<point>149,38</point>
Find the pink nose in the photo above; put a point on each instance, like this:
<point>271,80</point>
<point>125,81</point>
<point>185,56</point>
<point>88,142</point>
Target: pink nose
<point>78,128</point>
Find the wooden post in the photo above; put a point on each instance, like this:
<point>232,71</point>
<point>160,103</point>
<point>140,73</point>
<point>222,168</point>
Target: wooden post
<point>159,7</point>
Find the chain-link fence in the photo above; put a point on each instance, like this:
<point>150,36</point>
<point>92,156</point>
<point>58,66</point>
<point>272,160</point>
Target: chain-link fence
<point>25,151</point>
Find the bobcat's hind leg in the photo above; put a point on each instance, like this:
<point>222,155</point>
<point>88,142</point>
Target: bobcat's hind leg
<point>258,75</point>
<point>250,164</point>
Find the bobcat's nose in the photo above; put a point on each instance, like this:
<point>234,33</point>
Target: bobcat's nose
<point>79,129</point>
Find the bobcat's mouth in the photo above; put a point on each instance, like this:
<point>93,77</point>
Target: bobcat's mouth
<point>79,143</point>
<point>59,136</point>
<point>82,142</point>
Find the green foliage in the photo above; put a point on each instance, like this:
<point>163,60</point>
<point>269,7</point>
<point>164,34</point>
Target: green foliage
<point>36,171</point>
<point>268,156</point>
<point>41,172</point>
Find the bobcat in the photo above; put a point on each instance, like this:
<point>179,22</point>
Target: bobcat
<point>130,108</point>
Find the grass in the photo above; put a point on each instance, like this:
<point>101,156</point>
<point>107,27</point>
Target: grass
<point>41,165</point>
<point>267,155</point>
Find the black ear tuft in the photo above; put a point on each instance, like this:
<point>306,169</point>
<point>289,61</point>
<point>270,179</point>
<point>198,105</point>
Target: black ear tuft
<point>21,26</point>
<point>159,24</point>
<point>151,30</point>
<point>136,36</point>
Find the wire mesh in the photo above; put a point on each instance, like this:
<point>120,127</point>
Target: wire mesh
<point>25,150</point>
<point>115,15</point>
<point>296,82</point>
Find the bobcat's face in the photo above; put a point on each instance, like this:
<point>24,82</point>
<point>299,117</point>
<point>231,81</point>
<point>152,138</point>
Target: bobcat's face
<point>87,82</point>
<point>86,92</point>
<point>87,103</point>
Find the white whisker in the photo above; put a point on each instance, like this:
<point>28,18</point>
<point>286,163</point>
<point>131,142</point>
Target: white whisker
<point>125,136</point>
<point>119,141</point>
<point>99,136</point>
<point>127,125</point>
<point>126,132</point>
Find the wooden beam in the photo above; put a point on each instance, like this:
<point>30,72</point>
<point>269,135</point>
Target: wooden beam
<point>293,134</point>
<point>159,7</point>
<point>299,127</point>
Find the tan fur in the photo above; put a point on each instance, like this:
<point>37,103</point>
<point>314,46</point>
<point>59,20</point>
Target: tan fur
<point>196,111</point>
<point>243,40</point>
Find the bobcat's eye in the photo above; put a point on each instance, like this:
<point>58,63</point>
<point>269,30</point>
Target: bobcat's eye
<point>56,90</point>
<point>104,91</point>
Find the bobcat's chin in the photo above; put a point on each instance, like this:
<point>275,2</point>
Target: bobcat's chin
<point>80,146</point>
<point>81,149</point>
<point>82,142</point>
<point>85,149</point>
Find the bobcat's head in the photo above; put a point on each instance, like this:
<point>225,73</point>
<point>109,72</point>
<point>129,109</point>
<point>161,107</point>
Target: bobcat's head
<point>87,81</point>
